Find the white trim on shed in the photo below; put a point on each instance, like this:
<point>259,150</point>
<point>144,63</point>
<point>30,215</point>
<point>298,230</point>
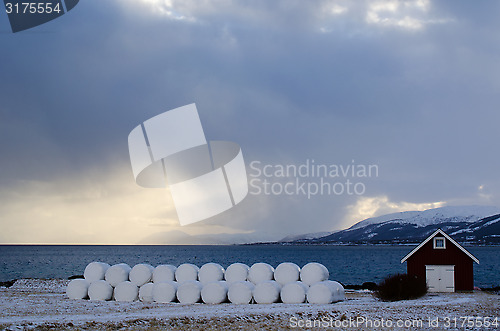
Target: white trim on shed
<point>447,237</point>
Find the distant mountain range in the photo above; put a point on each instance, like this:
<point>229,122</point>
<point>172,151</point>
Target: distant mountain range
<point>465,224</point>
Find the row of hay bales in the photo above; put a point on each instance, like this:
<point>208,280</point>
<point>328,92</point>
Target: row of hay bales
<point>211,284</point>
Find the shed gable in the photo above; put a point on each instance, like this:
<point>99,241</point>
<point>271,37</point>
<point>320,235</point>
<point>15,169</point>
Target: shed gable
<point>450,254</point>
<point>449,246</point>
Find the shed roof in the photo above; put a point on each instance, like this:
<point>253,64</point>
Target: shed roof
<point>447,237</point>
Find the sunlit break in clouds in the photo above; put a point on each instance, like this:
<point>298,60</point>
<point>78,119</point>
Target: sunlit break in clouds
<point>410,87</point>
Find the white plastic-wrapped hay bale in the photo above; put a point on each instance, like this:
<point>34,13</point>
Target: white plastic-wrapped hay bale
<point>100,290</point>
<point>325,292</point>
<point>337,290</point>
<point>240,292</point>
<point>78,289</point>
<point>146,292</point>
<point>287,272</point>
<point>165,292</point>
<point>126,291</point>
<point>313,272</point>
<point>186,272</point>
<point>214,292</point>
<point>141,274</point>
<point>236,272</point>
<point>164,273</point>
<point>294,292</point>
<point>95,271</point>
<point>189,292</point>
<point>117,274</point>
<point>210,272</point>
<point>260,272</point>
<point>267,292</point>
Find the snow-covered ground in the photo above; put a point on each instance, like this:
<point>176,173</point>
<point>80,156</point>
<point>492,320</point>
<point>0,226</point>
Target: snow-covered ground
<point>42,304</point>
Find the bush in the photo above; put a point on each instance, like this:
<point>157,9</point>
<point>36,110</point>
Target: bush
<point>401,287</point>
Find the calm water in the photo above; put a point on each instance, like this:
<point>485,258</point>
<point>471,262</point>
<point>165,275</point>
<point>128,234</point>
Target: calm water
<point>347,264</point>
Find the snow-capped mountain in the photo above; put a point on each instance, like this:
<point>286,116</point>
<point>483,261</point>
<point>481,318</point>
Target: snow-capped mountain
<point>432,216</point>
<point>470,224</point>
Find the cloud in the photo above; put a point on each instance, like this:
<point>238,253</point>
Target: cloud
<point>287,80</point>
<point>413,15</point>
<point>410,14</point>
<point>105,206</point>
<point>95,208</point>
<point>366,207</point>
<point>92,208</point>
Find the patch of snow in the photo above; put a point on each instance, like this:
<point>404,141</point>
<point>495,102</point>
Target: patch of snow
<point>24,307</point>
<point>461,231</point>
<point>491,222</point>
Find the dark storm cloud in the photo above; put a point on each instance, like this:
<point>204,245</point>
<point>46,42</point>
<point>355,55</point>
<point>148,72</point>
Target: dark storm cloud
<point>287,81</point>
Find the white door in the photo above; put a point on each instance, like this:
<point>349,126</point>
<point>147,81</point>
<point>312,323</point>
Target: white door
<point>440,278</point>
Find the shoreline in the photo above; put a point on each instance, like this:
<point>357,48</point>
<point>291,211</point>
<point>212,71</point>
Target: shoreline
<point>272,243</point>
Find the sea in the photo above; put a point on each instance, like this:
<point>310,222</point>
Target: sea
<point>350,265</point>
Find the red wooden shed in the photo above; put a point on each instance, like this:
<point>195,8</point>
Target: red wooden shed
<point>447,266</point>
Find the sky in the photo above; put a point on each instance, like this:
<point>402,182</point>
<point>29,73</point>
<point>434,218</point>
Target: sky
<point>410,87</point>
